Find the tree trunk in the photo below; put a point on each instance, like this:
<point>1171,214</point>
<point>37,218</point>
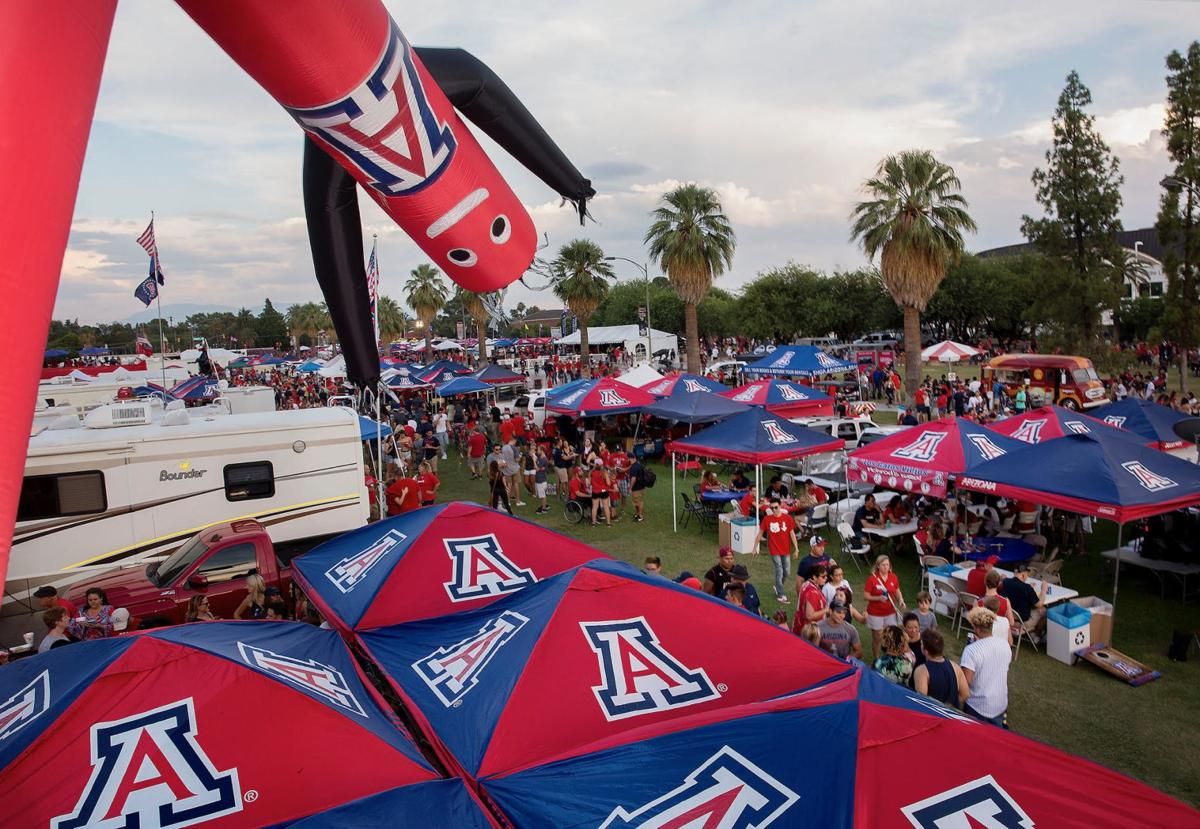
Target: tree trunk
<point>585,362</point>
<point>912,350</point>
<point>691,330</point>
<point>1183,370</point>
<point>428,344</point>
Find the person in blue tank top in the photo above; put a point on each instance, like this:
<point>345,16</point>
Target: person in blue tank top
<point>939,678</point>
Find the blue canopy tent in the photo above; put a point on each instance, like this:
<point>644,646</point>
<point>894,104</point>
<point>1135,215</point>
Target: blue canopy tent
<point>495,375</point>
<point>682,383</point>
<point>57,353</point>
<point>695,407</point>
<point>372,430</point>
<point>1101,473</point>
<point>200,387</point>
<point>462,385</point>
<point>1144,418</point>
<point>566,388</point>
<point>310,366</point>
<point>756,436</point>
<point>93,351</point>
<point>798,361</point>
<point>504,343</point>
<point>441,370</point>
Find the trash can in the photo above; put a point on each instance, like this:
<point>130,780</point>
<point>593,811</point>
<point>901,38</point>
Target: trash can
<point>1102,618</point>
<point>742,533</point>
<point>1068,629</point>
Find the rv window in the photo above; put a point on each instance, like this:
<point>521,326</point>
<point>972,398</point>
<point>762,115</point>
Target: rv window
<point>53,496</point>
<point>846,431</point>
<point>231,563</point>
<point>247,481</point>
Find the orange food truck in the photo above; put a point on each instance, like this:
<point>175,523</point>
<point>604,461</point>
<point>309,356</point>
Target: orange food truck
<point>1063,379</point>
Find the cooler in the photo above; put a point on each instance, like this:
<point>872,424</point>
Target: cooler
<point>742,532</point>
<point>1068,629</point>
<point>1102,618</point>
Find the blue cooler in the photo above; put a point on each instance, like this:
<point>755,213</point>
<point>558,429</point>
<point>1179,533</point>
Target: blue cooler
<point>1068,629</point>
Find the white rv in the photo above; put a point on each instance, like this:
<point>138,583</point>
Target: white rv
<point>131,482</point>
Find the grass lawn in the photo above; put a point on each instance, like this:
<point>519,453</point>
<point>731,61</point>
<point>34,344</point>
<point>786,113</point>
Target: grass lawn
<point>1151,733</point>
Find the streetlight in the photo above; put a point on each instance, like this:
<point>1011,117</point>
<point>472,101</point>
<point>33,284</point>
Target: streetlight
<point>1176,183</point>
<point>645,269</point>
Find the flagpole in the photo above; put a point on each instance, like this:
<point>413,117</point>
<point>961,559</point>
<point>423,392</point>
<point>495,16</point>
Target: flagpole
<point>162,349</point>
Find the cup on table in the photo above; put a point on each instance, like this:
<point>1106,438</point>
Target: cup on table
<point>28,638</point>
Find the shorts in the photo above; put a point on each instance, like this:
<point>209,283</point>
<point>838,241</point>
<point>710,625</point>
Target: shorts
<point>623,487</point>
<point>562,472</point>
<point>639,497</point>
<point>539,489</point>
<point>600,496</point>
<point>880,622</point>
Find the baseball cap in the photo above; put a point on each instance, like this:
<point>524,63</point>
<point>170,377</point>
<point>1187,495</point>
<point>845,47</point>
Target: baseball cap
<point>683,576</point>
<point>45,592</point>
<point>992,559</point>
<point>724,551</point>
<point>1022,568</point>
<point>838,606</point>
<point>740,572</point>
<point>120,619</point>
<point>817,541</point>
<point>598,462</point>
<point>691,582</point>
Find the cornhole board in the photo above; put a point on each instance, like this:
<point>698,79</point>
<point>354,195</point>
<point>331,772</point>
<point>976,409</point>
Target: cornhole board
<point>1114,662</point>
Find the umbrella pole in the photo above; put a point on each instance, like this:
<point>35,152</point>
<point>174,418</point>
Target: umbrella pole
<point>674,510</point>
<point>379,449</point>
<point>1117,572</point>
<point>758,486</point>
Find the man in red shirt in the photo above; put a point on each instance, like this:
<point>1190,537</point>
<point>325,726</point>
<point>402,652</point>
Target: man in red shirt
<point>402,496</point>
<point>506,430</point>
<point>811,606</point>
<point>47,597</point>
<point>476,450</point>
<point>977,578</point>
<point>749,502</point>
<point>780,530</point>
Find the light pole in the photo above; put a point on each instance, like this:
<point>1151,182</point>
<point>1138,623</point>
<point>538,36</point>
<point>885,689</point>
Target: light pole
<point>1176,183</point>
<point>645,269</point>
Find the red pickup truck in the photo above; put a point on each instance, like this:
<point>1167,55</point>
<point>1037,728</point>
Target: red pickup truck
<point>214,563</point>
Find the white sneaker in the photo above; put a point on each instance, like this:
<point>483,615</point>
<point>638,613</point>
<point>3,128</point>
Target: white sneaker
<point>520,503</point>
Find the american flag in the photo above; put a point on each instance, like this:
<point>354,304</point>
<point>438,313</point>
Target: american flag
<point>146,240</point>
<point>143,345</point>
<point>373,287</point>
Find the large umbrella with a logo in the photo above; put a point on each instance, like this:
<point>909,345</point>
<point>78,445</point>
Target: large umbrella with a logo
<point>738,766</point>
<point>594,653</point>
<point>926,458</point>
<point>606,396</point>
<point>798,361</point>
<point>1048,423</point>
<point>682,383</point>
<point>430,562</point>
<point>1149,420</point>
<point>783,397</point>
<point>224,724</point>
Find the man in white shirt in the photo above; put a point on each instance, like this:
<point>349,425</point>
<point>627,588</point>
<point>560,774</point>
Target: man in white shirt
<point>441,425</point>
<point>985,665</point>
<point>1149,395</point>
<point>1121,393</point>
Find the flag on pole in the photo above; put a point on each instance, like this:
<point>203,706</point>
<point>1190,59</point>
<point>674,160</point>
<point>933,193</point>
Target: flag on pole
<point>147,291</point>
<point>373,287</point>
<point>143,345</point>
<point>148,243</point>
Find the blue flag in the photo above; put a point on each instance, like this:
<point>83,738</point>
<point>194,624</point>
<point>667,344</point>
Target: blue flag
<point>147,291</point>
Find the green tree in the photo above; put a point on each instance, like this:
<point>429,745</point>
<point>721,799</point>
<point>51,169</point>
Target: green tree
<point>271,326</point>
<point>307,320</point>
<point>426,294</point>
<point>580,277</point>
<point>1178,224</point>
<point>691,239</point>
<point>472,303</point>
<point>914,220</point>
<point>245,328</point>
<point>392,319</point>
<point>1080,193</point>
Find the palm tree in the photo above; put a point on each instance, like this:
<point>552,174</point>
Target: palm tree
<point>426,296</point>
<point>693,242</point>
<point>579,276</point>
<point>392,319</point>
<point>473,302</point>
<point>308,318</point>
<point>915,222</point>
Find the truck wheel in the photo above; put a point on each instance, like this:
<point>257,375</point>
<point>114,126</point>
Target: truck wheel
<point>1069,403</point>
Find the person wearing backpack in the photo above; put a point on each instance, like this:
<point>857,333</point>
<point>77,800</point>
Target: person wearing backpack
<point>640,479</point>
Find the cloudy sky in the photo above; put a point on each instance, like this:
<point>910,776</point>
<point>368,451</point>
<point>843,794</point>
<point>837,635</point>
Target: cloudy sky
<point>783,107</point>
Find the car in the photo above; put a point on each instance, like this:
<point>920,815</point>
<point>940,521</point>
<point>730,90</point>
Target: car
<point>875,433</point>
<point>731,369</point>
<point>877,339</point>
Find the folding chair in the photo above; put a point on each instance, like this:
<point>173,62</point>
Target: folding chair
<point>1020,633</point>
<point>966,601</point>
<point>695,508</point>
<point>848,545</point>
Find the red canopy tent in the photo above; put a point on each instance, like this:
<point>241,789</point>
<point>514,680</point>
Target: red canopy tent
<point>1048,423</point>
<point>783,397</point>
<point>601,397</point>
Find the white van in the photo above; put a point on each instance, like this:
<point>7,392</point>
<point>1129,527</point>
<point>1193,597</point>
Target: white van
<point>533,403</point>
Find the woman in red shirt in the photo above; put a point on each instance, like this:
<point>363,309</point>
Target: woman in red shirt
<point>427,484</point>
<point>884,600</point>
<point>600,498</point>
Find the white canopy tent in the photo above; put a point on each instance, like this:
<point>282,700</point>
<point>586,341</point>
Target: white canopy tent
<point>447,345</point>
<point>627,337</point>
<point>640,375</point>
<point>334,368</point>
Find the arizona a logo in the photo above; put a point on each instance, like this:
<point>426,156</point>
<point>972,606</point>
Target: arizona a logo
<point>826,361</point>
<point>1077,426</point>
<point>923,449</point>
<point>980,803</point>
<point>660,387</point>
<point>481,568</point>
<point>775,433</point>
<point>637,675</point>
<point>386,128</point>
<point>691,385</point>
<point>348,572</point>
<point>748,394</point>
<point>25,705</point>
<point>1030,431</point>
<point>791,393</point>
<point>1149,480</point>
<point>1115,420</point>
<point>148,770</point>
<point>316,677</point>
<point>610,398</point>
<point>451,672</point>
<point>726,792</point>
<point>983,444</point>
